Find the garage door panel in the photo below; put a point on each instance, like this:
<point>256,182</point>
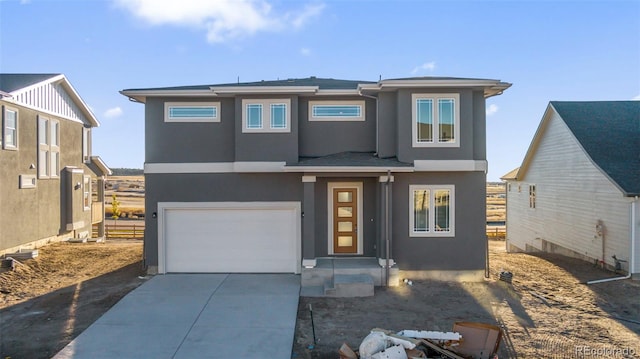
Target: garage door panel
<point>222,239</point>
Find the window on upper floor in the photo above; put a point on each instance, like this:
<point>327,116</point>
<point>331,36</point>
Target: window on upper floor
<point>191,112</point>
<point>336,111</point>
<point>431,211</point>
<point>436,120</point>
<point>48,147</point>
<point>9,128</point>
<point>265,115</point>
<point>86,135</point>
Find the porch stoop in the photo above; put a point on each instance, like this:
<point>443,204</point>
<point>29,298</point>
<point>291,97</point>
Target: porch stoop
<point>345,277</point>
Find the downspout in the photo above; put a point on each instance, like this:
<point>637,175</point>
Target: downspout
<point>633,247</point>
<point>386,226</point>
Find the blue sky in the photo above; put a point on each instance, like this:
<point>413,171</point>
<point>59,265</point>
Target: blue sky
<point>549,50</point>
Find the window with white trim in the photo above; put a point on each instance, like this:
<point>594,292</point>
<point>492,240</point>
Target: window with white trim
<point>86,135</point>
<point>266,115</point>
<point>86,193</point>
<point>336,111</point>
<point>191,112</point>
<point>48,147</point>
<point>431,210</point>
<point>436,120</point>
<point>9,129</point>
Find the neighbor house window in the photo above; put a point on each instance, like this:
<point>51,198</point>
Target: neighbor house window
<point>48,147</point>
<point>265,115</point>
<point>336,111</point>
<point>9,129</point>
<point>86,135</point>
<point>436,120</point>
<point>431,212</point>
<point>191,112</point>
<point>532,196</point>
<point>86,193</point>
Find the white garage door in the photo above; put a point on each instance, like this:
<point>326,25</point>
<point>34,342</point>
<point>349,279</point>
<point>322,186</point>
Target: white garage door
<point>237,237</point>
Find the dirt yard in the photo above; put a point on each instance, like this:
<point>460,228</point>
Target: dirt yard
<point>49,300</point>
<point>545,313</point>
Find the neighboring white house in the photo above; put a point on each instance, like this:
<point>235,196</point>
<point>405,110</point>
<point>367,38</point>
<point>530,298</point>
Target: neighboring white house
<point>576,192</point>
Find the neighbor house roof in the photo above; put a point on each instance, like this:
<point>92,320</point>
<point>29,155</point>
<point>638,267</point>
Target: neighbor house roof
<point>317,86</point>
<point>16,88</point>
<point>12,82</point>
<point>511,175</point>
<point>609,134</point>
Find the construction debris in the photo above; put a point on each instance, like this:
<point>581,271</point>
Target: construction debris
<point>506,276</point>
<point>23,254</point>
<point>468,340</point>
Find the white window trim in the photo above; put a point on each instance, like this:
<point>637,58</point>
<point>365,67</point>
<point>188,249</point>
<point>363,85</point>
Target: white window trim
<point>86,153</point>
<point>168,105</point>
<point>4,143</point>
<point>51,170</point>
<point>86,191</point>
<point>360,103</point>
<point>266,115</point>
<point>452,211</point>
<point>414,119</point>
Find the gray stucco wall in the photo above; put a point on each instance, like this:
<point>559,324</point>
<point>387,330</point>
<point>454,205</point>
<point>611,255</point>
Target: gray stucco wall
<point>249,187</point>
<point>31,214</point>
<point>169,142</point>
<point>369,215</point>
<point>267,146</point>
<point>406,151</point>
<point>465,251</point>
<point>387,124</point>
<point>321,138</point>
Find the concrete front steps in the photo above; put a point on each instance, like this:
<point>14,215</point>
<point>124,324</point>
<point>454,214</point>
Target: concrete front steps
<point>345,277</point>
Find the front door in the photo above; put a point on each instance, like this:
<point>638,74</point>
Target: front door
<point>345,220</point>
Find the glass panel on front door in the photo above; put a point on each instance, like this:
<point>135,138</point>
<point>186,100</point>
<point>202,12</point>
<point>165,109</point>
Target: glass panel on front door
<point>345,221</point>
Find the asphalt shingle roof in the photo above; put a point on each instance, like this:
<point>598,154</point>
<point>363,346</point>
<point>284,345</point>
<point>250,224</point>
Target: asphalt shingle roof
<point>322,83</point>
<point>360,159</point>
<point>12,82</point>
<point>609,131</point>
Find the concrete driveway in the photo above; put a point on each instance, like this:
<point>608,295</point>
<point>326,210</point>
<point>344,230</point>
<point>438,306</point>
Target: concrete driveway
<point>197,316</point>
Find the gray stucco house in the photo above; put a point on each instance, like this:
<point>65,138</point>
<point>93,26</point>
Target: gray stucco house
<point>576,191</point>
<point>277,176</point>
<point>51,186</point>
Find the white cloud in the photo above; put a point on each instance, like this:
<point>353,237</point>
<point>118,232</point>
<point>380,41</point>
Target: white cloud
<point>221,19</point>
<point>305,51</point>
<point>427,66</point>
<point>113,112</point>
<point>637,98</point>
<point>24,2</point>
<point>493,108</point>
<point>309,12</point>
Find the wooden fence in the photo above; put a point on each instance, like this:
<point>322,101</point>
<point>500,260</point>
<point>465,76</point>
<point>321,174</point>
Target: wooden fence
<point>497,232</point>
<point>130,231</point>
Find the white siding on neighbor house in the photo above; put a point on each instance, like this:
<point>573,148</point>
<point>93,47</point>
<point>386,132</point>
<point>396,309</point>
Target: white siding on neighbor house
<point>636,223</point>
<point>51,98</point>
<point>572,195</point>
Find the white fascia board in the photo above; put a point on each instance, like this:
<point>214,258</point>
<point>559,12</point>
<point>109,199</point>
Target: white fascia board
<point>450,165</point>
<point>330,92</point>
<point>346,169</point>
<point>101,165</point>
<point>141,95</point>
<point>439,83</point>
<point>75,97</point>
<point>257,166</point>
<point>215,167</point>
<point>263,89</point>
<point>199,167</point>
